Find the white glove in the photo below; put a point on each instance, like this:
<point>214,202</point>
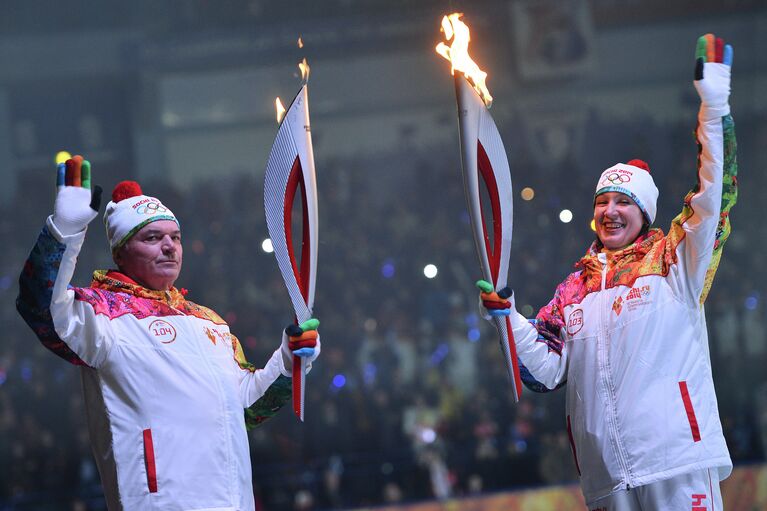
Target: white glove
<point>300,340</point>
<point>712,75</point>
<point>75,205</point>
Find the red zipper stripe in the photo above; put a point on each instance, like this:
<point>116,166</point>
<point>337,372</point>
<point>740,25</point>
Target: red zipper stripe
<point>151,471</point>
<point>572,445</point>
<point>690,411</point>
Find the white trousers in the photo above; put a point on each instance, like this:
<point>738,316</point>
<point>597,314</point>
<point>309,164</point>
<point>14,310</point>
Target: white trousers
<point>695,491</point>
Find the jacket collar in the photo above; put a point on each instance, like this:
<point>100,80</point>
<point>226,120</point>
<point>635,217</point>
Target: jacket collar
<point>115,281</point>
<point>631,253</point>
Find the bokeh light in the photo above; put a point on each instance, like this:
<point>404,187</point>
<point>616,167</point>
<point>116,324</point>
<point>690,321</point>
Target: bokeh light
<point>62,156</point>
<point>339,380</point>
<point>527,193</point>
<point>388,269</point>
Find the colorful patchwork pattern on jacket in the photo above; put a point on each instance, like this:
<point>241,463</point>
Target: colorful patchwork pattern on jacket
<point>36,291</point>
<point>729,198</point>
<point>113,296</point>
<point>278,393</point>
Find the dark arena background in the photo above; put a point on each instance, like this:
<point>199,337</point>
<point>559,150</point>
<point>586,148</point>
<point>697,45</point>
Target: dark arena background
<point>409,405</point>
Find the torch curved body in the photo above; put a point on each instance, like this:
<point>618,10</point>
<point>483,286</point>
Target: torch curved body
<point>484,161</point>
<point>290,171</point>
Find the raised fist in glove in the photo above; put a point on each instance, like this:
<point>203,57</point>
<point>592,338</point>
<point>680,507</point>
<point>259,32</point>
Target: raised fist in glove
<point>302,341</point>
<point>75,205</point>
<point>713,61</point>
<point>495,304</point>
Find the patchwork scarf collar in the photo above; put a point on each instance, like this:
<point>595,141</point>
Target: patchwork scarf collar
<point>113,280</point>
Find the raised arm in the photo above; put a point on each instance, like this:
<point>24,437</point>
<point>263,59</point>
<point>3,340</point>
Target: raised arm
<point>698,233</point>
<point>68,328</point>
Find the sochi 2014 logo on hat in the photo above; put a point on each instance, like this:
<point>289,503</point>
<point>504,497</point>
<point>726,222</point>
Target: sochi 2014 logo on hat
<point>149,206</point>
<point>617,177</point>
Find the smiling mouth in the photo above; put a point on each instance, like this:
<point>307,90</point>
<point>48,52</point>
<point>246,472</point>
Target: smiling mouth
<point>613,226</point>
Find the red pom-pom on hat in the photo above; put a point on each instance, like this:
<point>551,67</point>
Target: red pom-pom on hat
<point>640,163</point>
<point>126,190</point>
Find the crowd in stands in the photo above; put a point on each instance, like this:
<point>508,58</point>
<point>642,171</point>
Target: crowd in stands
<point>410,399</point>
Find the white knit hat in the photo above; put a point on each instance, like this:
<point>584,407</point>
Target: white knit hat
<point>129,211</point>
<point>633,179</point>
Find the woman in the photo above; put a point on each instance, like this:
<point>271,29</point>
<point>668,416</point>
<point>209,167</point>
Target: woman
<point>627,334</point>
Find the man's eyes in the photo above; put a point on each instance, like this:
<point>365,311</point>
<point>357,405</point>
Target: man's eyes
<point>154,237</point>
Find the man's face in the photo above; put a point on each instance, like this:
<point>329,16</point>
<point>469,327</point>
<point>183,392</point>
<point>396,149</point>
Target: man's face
<point>618,220</point>
<point>152,257</point>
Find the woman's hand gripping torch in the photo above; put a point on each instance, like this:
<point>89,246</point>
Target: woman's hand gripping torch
<point>483,158</point>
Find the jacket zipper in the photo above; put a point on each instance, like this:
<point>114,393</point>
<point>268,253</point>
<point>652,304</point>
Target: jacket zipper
<point>606,378</point>
<point>220,394</point>
<point>216,379</point>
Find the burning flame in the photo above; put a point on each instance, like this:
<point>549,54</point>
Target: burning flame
<point>300,42</point>
<point>304,67</point>
<point>458,54</point>
<point>280,109</point>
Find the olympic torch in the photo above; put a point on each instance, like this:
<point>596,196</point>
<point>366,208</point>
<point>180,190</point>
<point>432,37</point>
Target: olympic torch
<point>484,161</point>
<point>290,171</point>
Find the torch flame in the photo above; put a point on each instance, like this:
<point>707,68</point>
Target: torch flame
<point>280,109</point>
<point>458,54</point>
<point>304,67</point>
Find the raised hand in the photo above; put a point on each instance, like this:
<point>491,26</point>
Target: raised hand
<point>713,62</point>
<point>75,205</point>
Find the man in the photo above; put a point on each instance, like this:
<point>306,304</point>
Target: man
<point>165,382</point>
<point>627,331</point>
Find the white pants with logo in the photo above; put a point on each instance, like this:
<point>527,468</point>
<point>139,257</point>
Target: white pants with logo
<point>695,491</point>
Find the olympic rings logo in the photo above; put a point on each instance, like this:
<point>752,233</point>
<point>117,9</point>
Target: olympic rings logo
<point>151,208</point>
<point>615,178</point>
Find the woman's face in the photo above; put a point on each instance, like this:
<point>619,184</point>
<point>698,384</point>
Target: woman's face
<point>618,220</point>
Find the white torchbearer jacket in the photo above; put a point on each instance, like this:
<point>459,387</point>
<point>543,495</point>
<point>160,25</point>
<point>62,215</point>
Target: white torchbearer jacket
<point>627,333</point>
<point>165,383</point>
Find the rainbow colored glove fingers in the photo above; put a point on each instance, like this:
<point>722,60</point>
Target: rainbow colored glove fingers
<point>496,303</point>
<point>76,206</point>
<point>76,171</point>
<point>302,339</point>
<point>711,49</point>
<point>713,63</point>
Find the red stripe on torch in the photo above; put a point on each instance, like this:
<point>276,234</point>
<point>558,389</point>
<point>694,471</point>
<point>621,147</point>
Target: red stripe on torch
<point>485,169</point>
